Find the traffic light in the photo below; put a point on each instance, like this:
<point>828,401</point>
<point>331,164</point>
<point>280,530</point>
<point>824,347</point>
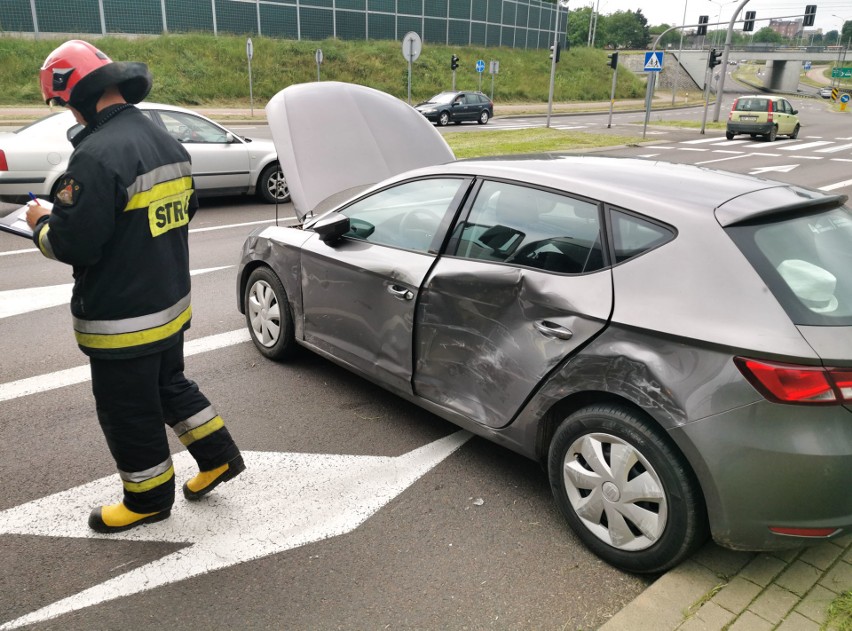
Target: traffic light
<point>714,59</point>
<point>454,62</point>
<point>748,24</point>
<point>702,24</point>
<point>613,60</point>
<point>557,48</point>
<point>810,15</point>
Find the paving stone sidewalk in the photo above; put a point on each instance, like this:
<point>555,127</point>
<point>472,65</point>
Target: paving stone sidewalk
<point>736,591</point>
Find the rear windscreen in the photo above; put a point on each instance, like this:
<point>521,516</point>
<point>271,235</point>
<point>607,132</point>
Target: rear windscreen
<point>806,261</point>
<point>752,105</point>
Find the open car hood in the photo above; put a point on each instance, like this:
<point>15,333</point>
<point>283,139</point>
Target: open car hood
<point>334,139</point>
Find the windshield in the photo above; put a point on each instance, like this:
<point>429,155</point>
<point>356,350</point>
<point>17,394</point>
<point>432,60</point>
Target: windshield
<point>443,97</point>
<point>806,261</point>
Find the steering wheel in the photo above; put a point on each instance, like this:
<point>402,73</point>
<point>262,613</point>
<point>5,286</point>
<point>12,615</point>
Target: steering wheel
<point>418,223</point>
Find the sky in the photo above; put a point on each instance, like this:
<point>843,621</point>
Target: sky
<point>671,11</point>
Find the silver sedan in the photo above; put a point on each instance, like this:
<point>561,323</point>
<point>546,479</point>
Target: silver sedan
<point>33,158</point>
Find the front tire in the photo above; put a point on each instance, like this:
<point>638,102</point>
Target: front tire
<point>268,317</point>
<point>483,117</point>
<point>272,185</point>
<point>795,133</point>
<point>443,119</point>
<point>625,490</point>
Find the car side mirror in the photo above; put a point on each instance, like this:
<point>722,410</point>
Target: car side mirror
<point>332,228</point>
<point>795,112</point>
<point>73,131</point>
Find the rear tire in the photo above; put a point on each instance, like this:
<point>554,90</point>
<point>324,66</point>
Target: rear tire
<point>773,134</point>
<point>272,186</point>
<point>483,117</point>
<point>625,489</point>
<point>729,135</point>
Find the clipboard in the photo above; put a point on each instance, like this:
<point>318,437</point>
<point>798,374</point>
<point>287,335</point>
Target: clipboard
<point>16,221</point>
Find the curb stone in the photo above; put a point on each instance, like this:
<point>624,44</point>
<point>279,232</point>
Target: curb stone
<point>720,589</point>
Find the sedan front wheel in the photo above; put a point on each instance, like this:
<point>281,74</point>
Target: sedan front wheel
<point>625,490</point>
<point>444,119</point>
<point>268,317</point>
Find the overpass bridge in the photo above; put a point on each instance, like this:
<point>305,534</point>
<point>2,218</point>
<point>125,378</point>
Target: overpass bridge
<point>783,64</point>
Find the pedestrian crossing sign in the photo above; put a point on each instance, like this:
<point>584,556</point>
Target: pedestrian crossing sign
<point>654,61</point>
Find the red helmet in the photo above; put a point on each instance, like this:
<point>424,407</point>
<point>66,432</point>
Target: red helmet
<point>65,66</point>
<point>77,72</point>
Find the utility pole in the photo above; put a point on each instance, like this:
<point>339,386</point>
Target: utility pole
<point>720,90</point>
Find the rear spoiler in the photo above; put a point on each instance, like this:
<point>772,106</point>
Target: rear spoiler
<point>775,202</point>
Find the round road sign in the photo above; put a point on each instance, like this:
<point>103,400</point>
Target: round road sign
<point>844,98</point>
<point>411,46</point>
<point>480,66</point>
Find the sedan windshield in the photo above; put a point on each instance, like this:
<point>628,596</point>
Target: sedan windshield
<point>443,97</point>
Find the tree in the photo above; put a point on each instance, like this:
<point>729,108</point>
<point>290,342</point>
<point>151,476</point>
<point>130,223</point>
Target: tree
<point>830,38</point>
<point>846,34</point>
<point>578,26</point>
<point>669,40</point>
<point>625,29</point>
<point>767,36</point>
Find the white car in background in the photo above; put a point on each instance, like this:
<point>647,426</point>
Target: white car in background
<point>223,163</point>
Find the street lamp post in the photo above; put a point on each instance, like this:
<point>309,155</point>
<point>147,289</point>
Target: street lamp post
<point>564,4</point>
<point>679,52</point>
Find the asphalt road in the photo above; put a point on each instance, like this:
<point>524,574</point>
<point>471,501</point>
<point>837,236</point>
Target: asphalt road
<point>365,535</point>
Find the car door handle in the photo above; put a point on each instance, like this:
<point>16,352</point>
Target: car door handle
<point>400,293</point>
<point>550,329</point>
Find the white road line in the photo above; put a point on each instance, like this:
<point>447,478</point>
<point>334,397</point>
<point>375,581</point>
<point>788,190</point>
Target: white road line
<point>807,157</point>
<point>835,149</point>
<point>660,147</point>
<point>840,160</point>
<point>836,185</point>
<point>692,149</point>
<point>724,151</point>
<point>807,145</point>
<point>767,155</point>
<point>699,141</point>
<point>18,301</point>
<point>26,251</point>
<point>649,155</point>
<point>71,376</point>
<point>745,155</point>
<point>731,143</point>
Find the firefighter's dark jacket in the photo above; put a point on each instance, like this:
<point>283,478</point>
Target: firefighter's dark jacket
<point>120,218</point>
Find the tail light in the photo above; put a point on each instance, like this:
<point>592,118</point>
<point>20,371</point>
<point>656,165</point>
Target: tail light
<point>802,385</point>
<point>4,166</point>
<point>733,109</point>
<point>769,114</point>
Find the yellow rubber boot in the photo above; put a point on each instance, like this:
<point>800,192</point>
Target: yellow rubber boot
<point>206,481</point>
<point>118,518</point>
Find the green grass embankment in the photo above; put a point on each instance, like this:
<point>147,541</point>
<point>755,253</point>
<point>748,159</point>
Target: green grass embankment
<point>196,69</point>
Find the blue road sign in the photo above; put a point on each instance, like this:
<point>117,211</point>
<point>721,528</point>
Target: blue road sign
<point>807,65</point>
<point>844,98</point>
<point>653,61</point>
<point>480,66</point>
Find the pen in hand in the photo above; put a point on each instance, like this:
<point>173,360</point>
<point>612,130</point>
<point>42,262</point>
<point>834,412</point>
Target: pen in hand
<point>33,197</point>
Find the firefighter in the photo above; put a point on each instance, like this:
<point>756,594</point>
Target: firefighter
<point>120,219</point>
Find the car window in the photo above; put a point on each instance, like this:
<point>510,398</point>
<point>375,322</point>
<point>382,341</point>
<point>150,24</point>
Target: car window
<point>405,216</point>
<point>806,262</point>
<point>192,129</point>
<point>632,235</point>
<point>532,228</point>
<point>752,105</point>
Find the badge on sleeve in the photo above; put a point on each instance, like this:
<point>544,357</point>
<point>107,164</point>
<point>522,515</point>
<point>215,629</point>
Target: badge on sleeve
<point>68,191</point>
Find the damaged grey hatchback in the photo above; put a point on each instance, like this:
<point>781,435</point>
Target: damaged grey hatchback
<point>680,363</point>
